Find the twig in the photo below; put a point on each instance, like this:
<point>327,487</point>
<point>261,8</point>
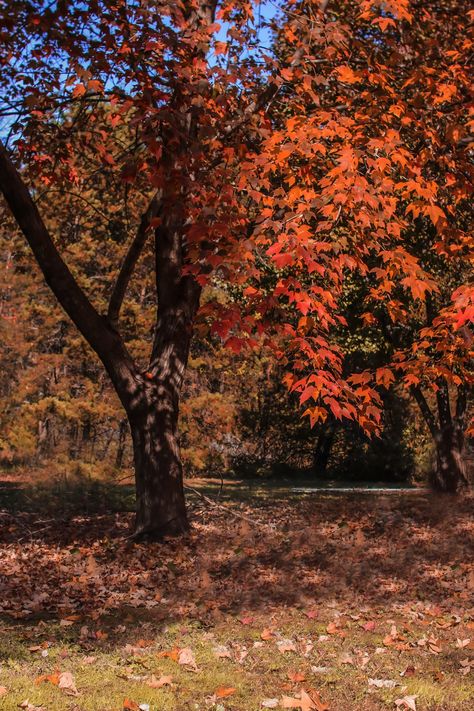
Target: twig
<point>228,510</point>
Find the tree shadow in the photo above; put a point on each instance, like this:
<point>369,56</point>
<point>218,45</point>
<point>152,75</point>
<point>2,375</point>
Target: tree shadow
<point>376,550</point>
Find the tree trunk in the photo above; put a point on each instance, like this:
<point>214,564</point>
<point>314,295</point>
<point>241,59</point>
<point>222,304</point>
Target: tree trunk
<point>449,473</point>
<point>160,502</point>
<point>323,448</point>
<point>448,435</point>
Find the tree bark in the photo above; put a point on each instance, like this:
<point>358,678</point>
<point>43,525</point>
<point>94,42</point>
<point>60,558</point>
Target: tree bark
<point>323,448</point>
<point>450,472</point>
<point>160,502</point>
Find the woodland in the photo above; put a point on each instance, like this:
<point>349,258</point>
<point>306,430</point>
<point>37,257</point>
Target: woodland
<point>236,328</point>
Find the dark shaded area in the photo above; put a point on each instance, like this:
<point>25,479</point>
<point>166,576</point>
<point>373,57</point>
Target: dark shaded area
<point>257,551</point>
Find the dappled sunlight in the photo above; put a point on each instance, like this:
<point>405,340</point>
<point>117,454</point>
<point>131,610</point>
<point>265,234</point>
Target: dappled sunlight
<point>339,545</point>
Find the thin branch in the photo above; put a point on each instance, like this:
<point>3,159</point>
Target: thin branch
<point>131,258</point>
<point>228,510</point>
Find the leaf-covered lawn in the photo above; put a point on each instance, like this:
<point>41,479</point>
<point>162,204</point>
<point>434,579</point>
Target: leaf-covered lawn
<point>325,602</point>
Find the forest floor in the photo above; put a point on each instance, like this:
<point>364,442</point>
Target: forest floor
<point>346,602</point>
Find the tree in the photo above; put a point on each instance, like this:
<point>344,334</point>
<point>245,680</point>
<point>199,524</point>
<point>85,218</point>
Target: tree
<point>142,89</point>
<point>391,120</point>
<point>279,205</point>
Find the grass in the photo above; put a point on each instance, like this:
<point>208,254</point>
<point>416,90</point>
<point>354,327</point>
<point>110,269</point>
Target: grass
<point>322,592</point>
<point>121,667</point>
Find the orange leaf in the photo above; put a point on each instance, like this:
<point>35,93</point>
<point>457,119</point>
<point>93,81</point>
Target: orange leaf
<point>129,704</point>
<point>52,678</point>
<point>79,90</point>
<point>174,654</point>
<point>296,676</point>
<point>224,691</point>
<point>347,75</point>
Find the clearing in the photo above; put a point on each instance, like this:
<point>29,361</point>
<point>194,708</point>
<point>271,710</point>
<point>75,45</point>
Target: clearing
<point>324,600</point>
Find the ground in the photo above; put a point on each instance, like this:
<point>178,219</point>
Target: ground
<point>277,600</point>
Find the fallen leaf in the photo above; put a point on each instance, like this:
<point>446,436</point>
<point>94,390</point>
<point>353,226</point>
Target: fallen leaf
<point>269,703</point>
<point>143,643</point>
<point>52,678</point>
<point>346,659</point>
<point>186,658</point>
<point>222,652</point>
<point>286,645</point>
<point>3,690</point>
<point>223,691</point>
<point>67,684</point>
<point>305,702</point>
<point>383,683</point>
<point>173,654</point>
<point>408,702</point>
<point>130,705</point>
<point>266,634</point>
<point>296,677</point>
<point>155,683</point>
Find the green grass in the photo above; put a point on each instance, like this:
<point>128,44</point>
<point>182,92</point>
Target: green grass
<point>119,671</point>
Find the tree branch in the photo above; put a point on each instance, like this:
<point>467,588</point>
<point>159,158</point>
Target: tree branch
<point>425,410</point>
<point>55,271</point>
<point>130,261</point>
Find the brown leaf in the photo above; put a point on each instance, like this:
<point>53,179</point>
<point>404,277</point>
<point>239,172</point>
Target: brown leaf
<point>67,684</point>
<point>305,702</point>
<point>186,658</point>
<point>407,702</point>
<point>155,683</point>
<point>297,677</point>
<point>142,643</point>
<point>286,645</point>
<point>89,660</point>
<point>3,690</point>
<point>222,652</point>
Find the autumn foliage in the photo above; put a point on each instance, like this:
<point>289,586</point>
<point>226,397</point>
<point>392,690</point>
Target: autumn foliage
<point>282,180</point>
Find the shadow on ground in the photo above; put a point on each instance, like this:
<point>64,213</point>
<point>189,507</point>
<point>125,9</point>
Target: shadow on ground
<point>249,555</point>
